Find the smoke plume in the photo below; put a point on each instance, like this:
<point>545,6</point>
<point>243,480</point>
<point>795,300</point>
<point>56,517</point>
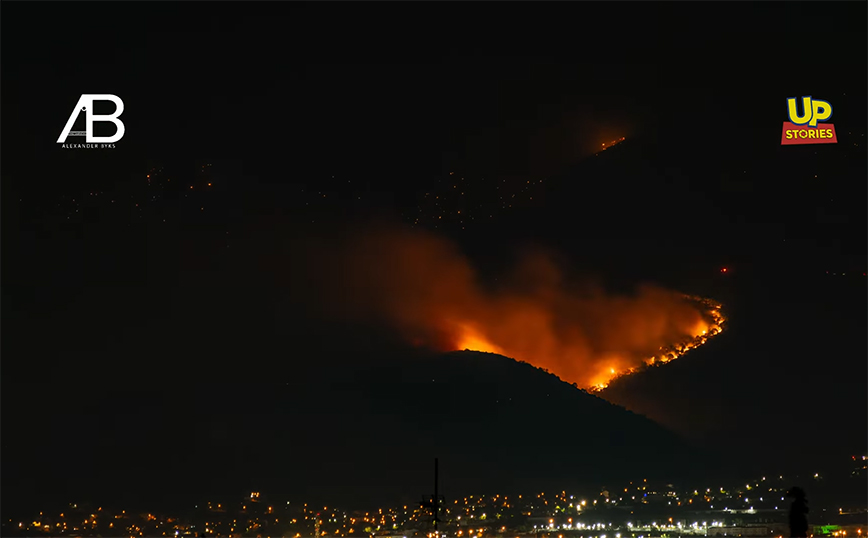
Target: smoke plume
<point>421,286</point>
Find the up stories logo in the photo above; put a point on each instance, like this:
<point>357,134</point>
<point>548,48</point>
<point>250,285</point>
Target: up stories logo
<point>809,127</point>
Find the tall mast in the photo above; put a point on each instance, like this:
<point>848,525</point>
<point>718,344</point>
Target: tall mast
<point>436,497</point>
<point>433,503</point>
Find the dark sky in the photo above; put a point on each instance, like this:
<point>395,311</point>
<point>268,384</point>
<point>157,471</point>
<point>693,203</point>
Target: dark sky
<point>397,95</point>
<point>300,81</point>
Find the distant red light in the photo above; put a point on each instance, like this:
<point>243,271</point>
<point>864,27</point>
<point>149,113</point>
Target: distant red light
<point>723,270</point>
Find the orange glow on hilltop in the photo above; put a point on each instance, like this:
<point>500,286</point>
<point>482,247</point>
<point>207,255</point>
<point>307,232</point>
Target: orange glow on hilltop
<point>472,340</point>
<point>589,370</point>
<point>432,296</point>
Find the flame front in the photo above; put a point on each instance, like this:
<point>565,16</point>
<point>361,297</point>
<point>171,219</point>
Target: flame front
<point>422,287</point>
<point>703,331</point>
<point>607,367</point>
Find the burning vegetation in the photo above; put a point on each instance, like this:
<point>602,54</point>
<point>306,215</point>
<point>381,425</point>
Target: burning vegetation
<point>422,287</point>
<point>711,326</point>
<point>595,368</point>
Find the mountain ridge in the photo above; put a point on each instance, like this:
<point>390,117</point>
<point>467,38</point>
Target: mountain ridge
<point>493,422</point>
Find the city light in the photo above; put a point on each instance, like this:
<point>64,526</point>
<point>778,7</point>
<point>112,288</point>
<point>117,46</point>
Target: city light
<point>295,519</point>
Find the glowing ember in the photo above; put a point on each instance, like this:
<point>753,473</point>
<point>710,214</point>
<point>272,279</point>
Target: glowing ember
<point>607,145</point>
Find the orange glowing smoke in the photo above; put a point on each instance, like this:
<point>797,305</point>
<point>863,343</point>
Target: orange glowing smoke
<point>424,288</point>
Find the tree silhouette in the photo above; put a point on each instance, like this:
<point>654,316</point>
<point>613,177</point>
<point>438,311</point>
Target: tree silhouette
<point>798,513</point>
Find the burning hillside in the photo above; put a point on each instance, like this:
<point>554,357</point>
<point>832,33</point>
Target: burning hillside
<point>595,368</point>
<point>711,326</point>
<point>422,287</point>
<point>607,145</point>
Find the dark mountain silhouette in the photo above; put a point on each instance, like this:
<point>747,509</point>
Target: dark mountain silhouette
<point>159,353</point>
<point>783,344</point>
<point>651,209</point>
<point>354,430</point>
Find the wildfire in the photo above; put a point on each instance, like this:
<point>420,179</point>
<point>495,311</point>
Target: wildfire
<point>471,340</point>
<point>421,286</point>
<point>607,145</point>
<point>613,367</point>
<point>598,347</point>
<point>703,332</point>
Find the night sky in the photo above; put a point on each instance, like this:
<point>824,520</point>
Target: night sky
<point>301,123</point>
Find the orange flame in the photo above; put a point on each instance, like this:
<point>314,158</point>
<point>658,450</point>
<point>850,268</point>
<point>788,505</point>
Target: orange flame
<point>473,340</point>
<point>427,291</point>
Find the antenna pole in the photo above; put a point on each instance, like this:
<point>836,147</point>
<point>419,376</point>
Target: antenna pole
<point>436,496</point>
<point>434,501</point>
